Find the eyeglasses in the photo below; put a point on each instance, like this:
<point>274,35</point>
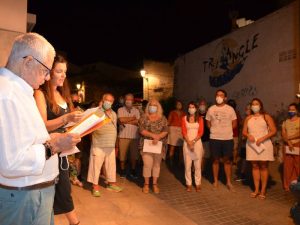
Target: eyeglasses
<point>47,71</point>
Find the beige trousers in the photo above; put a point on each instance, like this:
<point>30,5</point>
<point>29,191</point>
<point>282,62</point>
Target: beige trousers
<point>152,163</point>
<point>98,156</point>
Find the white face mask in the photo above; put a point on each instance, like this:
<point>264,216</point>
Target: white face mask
<point>219,100</point>
<point>152,109</point>
<point>192,111</point>
<point>106,105</point>
<point>255,108</point>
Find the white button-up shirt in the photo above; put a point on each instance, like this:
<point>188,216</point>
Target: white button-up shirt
<point>129,131</point>
<point>22,134</point>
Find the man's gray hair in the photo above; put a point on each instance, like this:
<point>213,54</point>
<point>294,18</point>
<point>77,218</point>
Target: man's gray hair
<point>30,44</point>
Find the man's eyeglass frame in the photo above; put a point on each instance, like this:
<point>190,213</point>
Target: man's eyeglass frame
<point>48,69</point>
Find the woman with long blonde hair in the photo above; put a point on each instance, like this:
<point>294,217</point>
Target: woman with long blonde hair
<point>153,127</point>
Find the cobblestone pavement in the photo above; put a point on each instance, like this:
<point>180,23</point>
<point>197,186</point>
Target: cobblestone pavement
<point>220,206</point>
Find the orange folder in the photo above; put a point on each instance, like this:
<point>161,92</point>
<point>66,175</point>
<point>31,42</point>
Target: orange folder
<point>90,123</point>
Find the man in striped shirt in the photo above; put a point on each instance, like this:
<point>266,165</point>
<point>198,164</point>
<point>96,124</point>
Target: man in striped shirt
<point>103,149</point>
<point>128,135</point>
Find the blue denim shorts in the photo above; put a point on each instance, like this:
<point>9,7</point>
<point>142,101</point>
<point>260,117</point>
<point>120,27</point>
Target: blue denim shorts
<point>32,207</point>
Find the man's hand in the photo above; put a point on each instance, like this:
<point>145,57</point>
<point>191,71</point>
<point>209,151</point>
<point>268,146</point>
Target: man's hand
<point>63,142</point>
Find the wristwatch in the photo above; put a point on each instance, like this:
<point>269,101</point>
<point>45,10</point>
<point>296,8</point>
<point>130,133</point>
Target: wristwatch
<point>48,150</point>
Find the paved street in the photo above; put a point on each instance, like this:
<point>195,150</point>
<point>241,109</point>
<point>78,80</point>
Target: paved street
<point>175,206</point>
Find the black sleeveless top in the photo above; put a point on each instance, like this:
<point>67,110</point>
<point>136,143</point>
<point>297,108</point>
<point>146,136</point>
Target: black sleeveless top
<point>51,115</point>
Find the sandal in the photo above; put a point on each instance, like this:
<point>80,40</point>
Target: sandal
<point>77,182</point>
<point>146,188</point>
<point>155,189</point>
<point>198,188</point>
<point>189,188</point>
<point>254,194</point>
<point>262,197</point>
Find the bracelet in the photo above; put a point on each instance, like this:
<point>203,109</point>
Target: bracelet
<point>48,150</point>
<point>194,141</point>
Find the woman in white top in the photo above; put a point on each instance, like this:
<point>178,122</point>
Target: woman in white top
<point>192,131</point>
<point>258,128</point>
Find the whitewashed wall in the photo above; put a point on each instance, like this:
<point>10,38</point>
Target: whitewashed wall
<point>268,63</point>
<point>13,21</point>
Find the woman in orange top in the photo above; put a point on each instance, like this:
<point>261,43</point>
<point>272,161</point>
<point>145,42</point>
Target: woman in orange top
<point>175,138</point>
<point>192,130</point>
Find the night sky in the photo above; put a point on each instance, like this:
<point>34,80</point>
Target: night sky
<point>123,33</point>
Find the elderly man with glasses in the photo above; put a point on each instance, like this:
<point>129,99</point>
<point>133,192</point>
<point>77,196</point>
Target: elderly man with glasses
<point>29,163</point>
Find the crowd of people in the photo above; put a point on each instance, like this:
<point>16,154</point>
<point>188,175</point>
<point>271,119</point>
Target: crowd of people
<point>36,104</point>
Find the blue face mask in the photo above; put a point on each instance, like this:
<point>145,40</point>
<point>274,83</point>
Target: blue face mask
<point>152,109</point>
<point>106,105</point>
<point>292,113</point>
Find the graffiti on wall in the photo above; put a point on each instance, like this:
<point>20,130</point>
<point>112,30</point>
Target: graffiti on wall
<point>249,91</point>
<point>228,60</point>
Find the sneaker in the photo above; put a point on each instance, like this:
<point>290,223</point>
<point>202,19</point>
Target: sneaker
<point>114,188</point>
<point>96,191</point>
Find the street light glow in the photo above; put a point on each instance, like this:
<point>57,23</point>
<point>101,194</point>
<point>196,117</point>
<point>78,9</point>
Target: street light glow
<point>143,73</point>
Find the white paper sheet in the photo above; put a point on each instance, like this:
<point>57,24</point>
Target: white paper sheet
<point>296,150</point>
<point>258,149</point>
<point>84,115</point>
<point>87,124</point>
<point>69,152</point>
<point>151,148</point>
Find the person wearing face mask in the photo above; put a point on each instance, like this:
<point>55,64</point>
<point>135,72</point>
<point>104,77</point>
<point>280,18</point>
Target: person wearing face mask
<point>258,128</point>
<point>103,150</point>
<point>128,117</point>
<point>175,138</point>
<point>152,126</point>
<point>291,137</point>
<point>55,105</point>
<point>221,120</point>
<point>192,130</point>
<point>205,136</point>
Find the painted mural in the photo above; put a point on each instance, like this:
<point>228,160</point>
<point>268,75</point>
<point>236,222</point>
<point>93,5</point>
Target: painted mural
<point>228,60</point>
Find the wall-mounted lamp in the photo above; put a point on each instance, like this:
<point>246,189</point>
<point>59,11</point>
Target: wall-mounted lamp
<point>78,86</point>
<point>143,74</point>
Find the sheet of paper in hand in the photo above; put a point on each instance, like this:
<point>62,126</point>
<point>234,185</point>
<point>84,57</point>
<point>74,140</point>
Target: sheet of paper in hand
<point>90,123</point>
<point>151,148</point>
<point>257,148</point>
<point>295,151</point>
<point>85,114</point>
